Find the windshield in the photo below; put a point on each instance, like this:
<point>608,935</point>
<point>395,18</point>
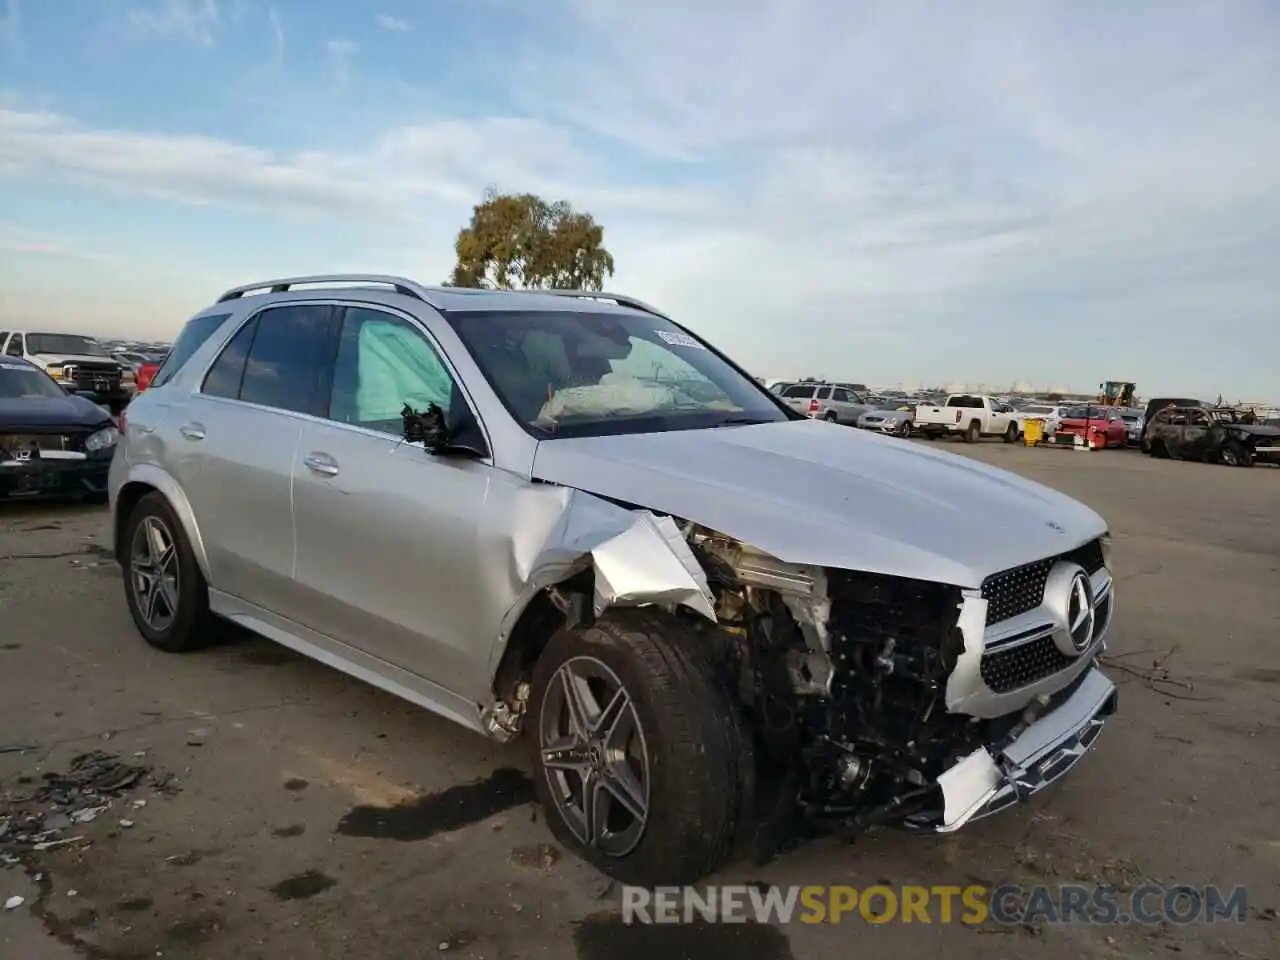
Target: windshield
<point>571,373</point>
<point>63,343</point>
<point>18,381</point>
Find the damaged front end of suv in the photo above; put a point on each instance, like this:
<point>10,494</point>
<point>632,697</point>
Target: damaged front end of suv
<point>865,698</point>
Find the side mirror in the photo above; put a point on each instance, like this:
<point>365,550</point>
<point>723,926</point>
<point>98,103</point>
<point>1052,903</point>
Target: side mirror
<point>431,429</point>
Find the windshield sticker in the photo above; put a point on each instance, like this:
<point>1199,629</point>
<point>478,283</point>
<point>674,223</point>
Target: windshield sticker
<point>680,339</point>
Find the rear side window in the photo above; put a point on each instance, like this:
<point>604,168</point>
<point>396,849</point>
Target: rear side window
<point>823,393</point>
<point>839,396</point>
<point>191,339</point>
<point>287,358</point>
<point>224,377</point>
<point>15,346</point>
<point>799,393</point>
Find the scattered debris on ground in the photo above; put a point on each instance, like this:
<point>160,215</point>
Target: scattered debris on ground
<point>48,813</point>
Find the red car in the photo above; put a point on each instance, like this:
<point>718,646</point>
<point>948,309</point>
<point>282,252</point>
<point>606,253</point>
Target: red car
<point>1100,426</point>
<point>144,375</point>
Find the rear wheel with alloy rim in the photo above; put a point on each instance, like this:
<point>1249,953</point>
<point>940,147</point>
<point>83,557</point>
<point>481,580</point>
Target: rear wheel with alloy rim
<point>163,585</point>
<point>642,765</point>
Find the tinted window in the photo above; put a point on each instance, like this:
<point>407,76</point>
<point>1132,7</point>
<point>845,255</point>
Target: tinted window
<point>799,393</point>
<point>223,378</point>
<point>15,346</point>
<point>966,402</point>
<point>287,357</point>
<point>191,339</point>
<point>840,396</point>
<point>823,393</point>
<point>384,362</point>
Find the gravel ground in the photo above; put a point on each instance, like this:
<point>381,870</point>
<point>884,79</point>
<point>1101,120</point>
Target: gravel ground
<point>290,811</point>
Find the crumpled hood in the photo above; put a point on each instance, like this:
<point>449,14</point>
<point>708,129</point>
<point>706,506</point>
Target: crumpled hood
<point>820,494</point>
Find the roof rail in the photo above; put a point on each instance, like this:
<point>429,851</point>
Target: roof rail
<point>620,299</point>
<point>401,285</point>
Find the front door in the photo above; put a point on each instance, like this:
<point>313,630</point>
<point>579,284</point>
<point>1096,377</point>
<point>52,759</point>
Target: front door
<point>400,552</point>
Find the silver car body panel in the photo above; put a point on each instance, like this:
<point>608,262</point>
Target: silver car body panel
<point>864,502</point>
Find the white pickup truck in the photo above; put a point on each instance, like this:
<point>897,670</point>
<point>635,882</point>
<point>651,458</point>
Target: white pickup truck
<point>970,416</point>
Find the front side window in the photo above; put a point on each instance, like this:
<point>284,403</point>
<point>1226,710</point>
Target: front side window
<point>839,395</point>
<point>15,346</point>
<point>286,359</point>
<point>55,343</point>
<point>574,373</point>
<point>21,381</point>
<point>384,362</point>
<point>191,339</point>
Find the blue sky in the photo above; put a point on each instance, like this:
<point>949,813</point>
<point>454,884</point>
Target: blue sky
<point>879,191</point>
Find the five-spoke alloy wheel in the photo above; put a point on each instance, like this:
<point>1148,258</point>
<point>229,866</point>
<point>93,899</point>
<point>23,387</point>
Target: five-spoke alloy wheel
<point>165,589</point>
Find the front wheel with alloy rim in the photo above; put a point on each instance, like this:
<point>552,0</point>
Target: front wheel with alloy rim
<point>641,762</point>
<point>163,585</point>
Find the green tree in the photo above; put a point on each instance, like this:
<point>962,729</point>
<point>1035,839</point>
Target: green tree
<point>521,240</point>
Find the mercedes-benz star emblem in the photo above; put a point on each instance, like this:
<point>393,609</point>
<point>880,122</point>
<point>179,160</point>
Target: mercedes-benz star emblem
<point>1080,612</point>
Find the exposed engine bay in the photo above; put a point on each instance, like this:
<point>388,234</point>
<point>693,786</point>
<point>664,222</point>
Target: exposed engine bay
<point>843,677</point>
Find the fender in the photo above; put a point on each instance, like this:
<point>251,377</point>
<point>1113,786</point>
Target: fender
<point>154,476</point>
<point>638,558</point>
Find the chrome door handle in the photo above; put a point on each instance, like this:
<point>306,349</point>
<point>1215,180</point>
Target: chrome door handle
<point>192,431</point>
<point>322,464</point>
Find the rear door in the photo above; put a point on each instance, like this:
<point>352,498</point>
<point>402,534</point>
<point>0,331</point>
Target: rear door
<point>1193,437</point>
<point>234,445</point>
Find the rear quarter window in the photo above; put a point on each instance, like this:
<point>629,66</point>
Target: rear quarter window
<point>192,338</point>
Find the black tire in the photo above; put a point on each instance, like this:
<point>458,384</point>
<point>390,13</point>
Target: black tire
<point>1159,450</point>
<point>1011,435</point>
<point>188,627</point>
<point>974,433</point>
<point>1236,454</point>
<point>831,417</point>
<point>904,430</point>
<point>698,757</point>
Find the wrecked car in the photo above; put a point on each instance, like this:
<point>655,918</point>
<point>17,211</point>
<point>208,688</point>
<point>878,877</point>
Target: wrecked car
<point>1212,435</point>
<point>53,442</point>
<point>562,516</point>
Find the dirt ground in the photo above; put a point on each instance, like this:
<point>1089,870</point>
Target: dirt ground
<point>291,811</point>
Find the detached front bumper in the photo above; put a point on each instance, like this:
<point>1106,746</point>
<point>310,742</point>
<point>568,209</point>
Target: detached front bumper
<point>992,778</point>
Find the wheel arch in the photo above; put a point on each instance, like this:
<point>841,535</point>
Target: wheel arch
<point>145,479</point>
<point>632,558</point>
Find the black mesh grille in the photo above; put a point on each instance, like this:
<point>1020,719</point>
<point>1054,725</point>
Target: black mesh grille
<point>1025,664</point>
<point>1020,589</point>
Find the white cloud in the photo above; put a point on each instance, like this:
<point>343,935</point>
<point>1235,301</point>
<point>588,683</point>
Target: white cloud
<point>198,20</point>
<point>394,24</point>
<point>340,53</point>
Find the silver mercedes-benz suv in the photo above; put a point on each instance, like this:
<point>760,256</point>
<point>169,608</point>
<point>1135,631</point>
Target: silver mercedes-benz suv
<point>565,516</point>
